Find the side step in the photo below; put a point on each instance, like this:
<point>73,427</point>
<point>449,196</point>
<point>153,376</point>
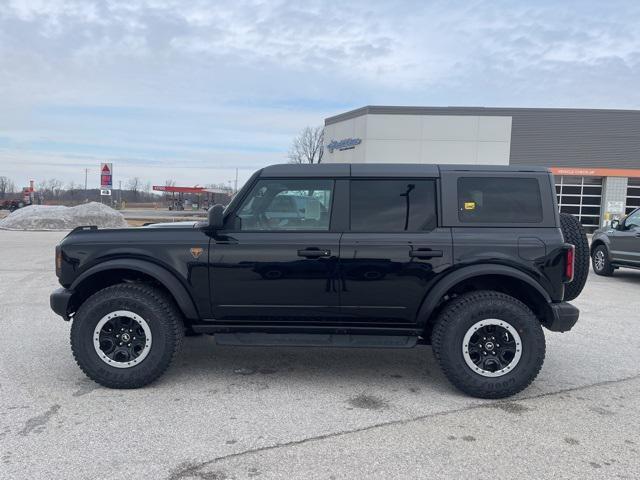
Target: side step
<point>316,340</point>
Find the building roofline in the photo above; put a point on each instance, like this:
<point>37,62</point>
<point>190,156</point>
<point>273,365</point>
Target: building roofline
<point>487,111</point>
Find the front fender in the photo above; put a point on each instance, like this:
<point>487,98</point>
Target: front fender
<point>160,274</point>
<point>598,239</point>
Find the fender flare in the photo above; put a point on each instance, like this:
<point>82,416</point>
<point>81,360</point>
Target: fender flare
<point>601,239</point>
<point>160,274</point>
<point>432,299</point>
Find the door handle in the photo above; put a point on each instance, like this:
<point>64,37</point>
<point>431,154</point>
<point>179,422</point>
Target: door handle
<point>314,252</point>
<point>425,253</point>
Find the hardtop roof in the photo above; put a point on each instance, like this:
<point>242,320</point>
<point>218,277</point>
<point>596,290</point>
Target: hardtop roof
<point>384,169</point>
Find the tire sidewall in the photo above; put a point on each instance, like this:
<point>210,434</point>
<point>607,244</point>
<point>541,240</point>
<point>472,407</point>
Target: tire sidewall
<point>528,328</point>
<point>85,322</point>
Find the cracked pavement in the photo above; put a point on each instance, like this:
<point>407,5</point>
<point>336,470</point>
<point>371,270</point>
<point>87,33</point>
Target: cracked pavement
<point>243,412</point>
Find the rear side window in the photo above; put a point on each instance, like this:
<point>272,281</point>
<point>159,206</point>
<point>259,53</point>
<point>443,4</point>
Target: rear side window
<point>393,205</point>
<point>499,200</point>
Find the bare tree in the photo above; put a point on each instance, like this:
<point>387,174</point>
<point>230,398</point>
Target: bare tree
<point>43,188</point>
<point>54,186</point>
<point>134,184</point>
<point>6,186</point>
<point>72,190</point>
<point>307,146</point>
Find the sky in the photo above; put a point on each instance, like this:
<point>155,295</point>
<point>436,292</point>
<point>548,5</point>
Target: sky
<point>190,91</point>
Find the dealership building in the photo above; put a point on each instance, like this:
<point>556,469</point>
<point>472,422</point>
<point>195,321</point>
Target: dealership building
<point>594,154</point>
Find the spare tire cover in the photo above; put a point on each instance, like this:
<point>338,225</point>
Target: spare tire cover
<point>575,234</point>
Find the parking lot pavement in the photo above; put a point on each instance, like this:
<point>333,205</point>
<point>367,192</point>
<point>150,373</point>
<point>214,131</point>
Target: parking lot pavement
<point>236,412</point>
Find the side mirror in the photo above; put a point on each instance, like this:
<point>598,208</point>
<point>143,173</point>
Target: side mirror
<point>216,217</point>
<point>615,224</point>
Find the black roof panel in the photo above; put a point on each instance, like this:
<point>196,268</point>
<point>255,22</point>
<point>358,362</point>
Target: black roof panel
<point>307,170</point>
<point>394,170</point>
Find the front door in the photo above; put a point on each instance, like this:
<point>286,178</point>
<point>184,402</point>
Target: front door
<point>392,251</point>
<point>625,243</point>
<point>276,260</point>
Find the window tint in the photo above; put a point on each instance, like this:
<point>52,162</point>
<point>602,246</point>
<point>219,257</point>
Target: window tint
<point>276,205</point>
<point>499,200</point>
<point>393,205</point>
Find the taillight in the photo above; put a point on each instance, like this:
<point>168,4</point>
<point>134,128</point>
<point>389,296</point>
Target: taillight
<point>569,263</point>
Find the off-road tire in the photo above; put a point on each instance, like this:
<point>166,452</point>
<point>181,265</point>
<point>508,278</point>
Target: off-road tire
<point>574,233</point>
<point>460,315</point>
<point>150,303</point>
<point>607,269</point>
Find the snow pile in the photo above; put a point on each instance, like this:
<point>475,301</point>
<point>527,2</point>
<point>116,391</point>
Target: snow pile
<point>44,217</point>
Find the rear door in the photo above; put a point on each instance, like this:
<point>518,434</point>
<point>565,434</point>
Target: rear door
<point>392,250</point>
<point>277,258</point>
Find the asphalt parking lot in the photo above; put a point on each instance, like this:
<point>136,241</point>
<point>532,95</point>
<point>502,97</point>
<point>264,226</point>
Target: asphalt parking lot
<point>234,413</point>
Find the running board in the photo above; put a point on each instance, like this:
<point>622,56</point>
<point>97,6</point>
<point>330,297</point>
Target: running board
<point>316,340</point>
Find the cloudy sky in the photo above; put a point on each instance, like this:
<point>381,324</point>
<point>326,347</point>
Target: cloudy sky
<point>169,89</point>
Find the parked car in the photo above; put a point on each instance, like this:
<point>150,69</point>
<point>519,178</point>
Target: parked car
<point>617,245</point>
<point>474,260</point>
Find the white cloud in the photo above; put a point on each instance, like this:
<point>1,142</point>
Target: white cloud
<point>235,80</point>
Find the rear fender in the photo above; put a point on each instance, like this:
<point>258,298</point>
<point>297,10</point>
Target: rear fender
<point>435,296</point>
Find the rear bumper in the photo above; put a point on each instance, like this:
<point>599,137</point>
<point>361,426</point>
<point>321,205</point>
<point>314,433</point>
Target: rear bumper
<point>59,301</point>
<point>564,317</point>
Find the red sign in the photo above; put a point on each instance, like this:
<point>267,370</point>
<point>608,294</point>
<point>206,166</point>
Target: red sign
<point>106,176</point>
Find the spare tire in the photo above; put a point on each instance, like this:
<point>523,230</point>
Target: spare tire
<point>574,234</point>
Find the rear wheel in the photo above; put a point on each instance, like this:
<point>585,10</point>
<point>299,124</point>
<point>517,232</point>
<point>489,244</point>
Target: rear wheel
<point>574,233</point>
<point>601,263</point>
<point>489,345</point>
<point>126,335</point>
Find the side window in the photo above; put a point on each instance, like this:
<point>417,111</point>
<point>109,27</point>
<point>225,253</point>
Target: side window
<point>633,220</point>
<point>393,205</point>
<point>289,204</point>
<point>499,200</point>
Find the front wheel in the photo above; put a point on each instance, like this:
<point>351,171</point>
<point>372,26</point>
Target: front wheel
<point>126,335</point>
<point>601,263</point>
<point>489,344</point>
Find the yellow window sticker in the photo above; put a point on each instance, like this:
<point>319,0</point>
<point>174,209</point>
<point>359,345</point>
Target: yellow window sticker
<point>469,205</point>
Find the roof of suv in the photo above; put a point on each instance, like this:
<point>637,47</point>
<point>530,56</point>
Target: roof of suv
<point>383,169</point>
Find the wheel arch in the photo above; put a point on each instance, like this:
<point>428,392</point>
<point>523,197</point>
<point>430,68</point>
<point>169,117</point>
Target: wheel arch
<point>500,278</point>
<point>596,243</point>
<point>131,270</point>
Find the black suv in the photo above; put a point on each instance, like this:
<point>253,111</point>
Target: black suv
<point>470,259</point>
<point>617,246</point>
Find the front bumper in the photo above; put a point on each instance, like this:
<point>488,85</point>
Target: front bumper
<point>564,317</point>
<point>59,301</point>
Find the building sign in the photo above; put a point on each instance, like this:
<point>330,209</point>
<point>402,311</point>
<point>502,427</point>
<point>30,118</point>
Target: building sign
<point>106,176</point>
<point>346,144</point>
<point>615,208</point>
<point>596,172</point>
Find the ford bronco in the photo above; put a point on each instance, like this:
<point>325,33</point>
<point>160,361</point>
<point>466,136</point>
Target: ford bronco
<point>474,260</point>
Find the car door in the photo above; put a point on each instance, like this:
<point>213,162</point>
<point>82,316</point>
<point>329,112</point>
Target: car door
<point>625,242</point>
<point>392,251</point>
<point>276,258</point>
